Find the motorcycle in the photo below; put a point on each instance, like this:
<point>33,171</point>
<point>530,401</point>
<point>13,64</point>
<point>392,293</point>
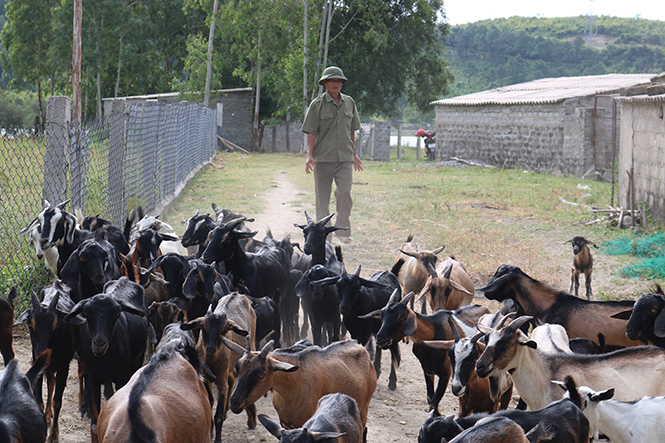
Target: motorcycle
<point>430,143</point>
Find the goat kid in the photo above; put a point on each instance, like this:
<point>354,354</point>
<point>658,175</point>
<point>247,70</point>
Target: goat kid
<point>336,418</point>
<point>582,264</point>
<point>448,287</point>
<point>414,271</point>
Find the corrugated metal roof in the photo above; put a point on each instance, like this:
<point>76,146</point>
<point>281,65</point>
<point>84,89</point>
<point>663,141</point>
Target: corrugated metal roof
<point>549,90</point>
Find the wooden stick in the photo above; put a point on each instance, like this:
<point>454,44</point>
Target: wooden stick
<point>232,146</point>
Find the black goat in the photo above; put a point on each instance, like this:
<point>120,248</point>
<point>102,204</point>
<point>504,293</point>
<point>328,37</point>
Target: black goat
<point>571,424</point>
<point>21,419</point>
<point>646,321</point>
<point>6,323</point>
<point>398,321</point>
<point>324,299</point>
<point>360,296</point>
<point>262,272</point>
<point>175,268</point>
<point>196,234</point>
<point>89,267</point>
<point>163,313</point>
<point>199,288</point>
<point>268,321</point>
<point>113,337</point>
<point>48,330</point>
<point>582,264</point>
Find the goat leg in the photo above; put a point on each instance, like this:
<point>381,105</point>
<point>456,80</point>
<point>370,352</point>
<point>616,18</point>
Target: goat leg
<point>60,383</point>
<point>440,390</point>
<point>587,281</point>
<point>251,416</point>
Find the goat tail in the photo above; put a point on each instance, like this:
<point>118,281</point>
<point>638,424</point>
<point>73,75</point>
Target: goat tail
<point>397,267</point>
<point>140,432</point>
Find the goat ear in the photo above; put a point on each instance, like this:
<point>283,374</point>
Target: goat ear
<point>70,271</point>
<point>277,365</point>
<point>523,340</point>
<point>303,285</point>
<point>23,317</point>
<point>271,425</point>
<point>623,315</point>
<point>197,323</point>
<point>233,326</point>
<point>324,436</point>
<point>235,347</point>
<point>152,335</point>
<point>70,227</point>
<point>410,254</point>
<point>374,314</point>
<point>189,286</point>
<point>602,395</point>
<point>410,324</point>
<point>131,308</point>
<point>438,344</point>
<point>438,250</point>
<point>458,287</point>
<point>659,324</point>
<point>73,316</point>
<point>169,237</point>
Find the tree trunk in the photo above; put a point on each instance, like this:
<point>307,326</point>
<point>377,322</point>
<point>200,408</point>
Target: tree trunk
<point>321,37</point>
<point>304,63</point>
<point>288,131</point>
<point>117,78</point>
<point>206,97</point>
<point>255,136</point>
<point>76,63</point>
<point>41,104</point>
<point>99,85</point>
<point>331,11</point>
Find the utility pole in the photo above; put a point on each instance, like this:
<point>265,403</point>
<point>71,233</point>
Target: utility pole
<point>76,63</point>
<point>206,97</point>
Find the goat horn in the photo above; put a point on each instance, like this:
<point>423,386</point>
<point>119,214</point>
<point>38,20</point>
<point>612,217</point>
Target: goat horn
<point>326,219</point>
<point>449,269</point>
<point>439,249</point>
<point>503,321</point>
<point>29,227</point>
<point>357,274</point>
<point>308,218</point>
<point>432,270</point>
<point>394,297</point>
<point>515,324</point>
<point>196,213</point>
<point>267,348</point>
<point>54,302</point>
<point>476,337</point>
<point>235,222</point>
<point>35,301</point>
<point>453,326</point>
<point>407,297</point>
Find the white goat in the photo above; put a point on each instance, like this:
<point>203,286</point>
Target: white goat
<point>624,422</point>
<point>634,372</point>
<point>50,255</point>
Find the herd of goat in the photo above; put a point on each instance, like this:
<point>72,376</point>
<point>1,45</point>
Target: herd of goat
<point>168,326</point>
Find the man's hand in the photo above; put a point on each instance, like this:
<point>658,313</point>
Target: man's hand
<point>357,163</point>
<point>309,163</point>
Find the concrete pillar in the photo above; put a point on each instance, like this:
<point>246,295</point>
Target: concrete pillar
<point>58,120</point>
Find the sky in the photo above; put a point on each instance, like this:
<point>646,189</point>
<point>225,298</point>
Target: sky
<point>467,11</point>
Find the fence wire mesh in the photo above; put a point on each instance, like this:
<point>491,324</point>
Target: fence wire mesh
<point>137,157</point>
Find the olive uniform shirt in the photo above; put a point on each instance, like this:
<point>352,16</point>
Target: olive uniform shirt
<point>332,124</point>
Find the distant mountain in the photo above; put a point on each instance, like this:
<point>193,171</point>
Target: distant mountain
<point>493,53</point>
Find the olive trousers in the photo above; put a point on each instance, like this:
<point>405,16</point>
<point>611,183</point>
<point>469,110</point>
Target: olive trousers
<point>342,174</point>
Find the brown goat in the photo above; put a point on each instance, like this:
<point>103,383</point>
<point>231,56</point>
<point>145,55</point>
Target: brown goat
<point>582,264</point>
<point>299,376</point>
<point>448,287</point>
<point>164,401</point>
<point>233,315</point>
<point>414,271</point>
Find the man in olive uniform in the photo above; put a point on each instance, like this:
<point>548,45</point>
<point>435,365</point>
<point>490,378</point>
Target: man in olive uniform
<point>330,123</point>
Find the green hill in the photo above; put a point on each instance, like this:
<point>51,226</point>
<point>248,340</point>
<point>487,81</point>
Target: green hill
<point>493,53</point>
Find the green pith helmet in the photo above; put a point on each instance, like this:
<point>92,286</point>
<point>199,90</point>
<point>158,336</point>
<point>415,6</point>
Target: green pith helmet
<point>332,72</point>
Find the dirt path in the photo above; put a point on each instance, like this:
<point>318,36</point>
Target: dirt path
<point>394,416</point>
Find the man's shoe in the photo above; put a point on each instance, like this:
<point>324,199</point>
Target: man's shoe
<point>345,240</point>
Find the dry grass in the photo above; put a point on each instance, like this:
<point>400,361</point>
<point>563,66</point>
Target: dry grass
<point>484,217</point>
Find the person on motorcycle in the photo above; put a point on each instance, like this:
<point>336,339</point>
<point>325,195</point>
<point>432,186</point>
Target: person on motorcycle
<point>430,143</point>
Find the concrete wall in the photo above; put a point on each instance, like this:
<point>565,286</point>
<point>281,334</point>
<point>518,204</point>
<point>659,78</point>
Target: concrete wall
<point>643,153</point>
<point>274,138</point>
<point>556,138</point>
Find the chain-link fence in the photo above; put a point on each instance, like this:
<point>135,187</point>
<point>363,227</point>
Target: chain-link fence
<point>141,154</point>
